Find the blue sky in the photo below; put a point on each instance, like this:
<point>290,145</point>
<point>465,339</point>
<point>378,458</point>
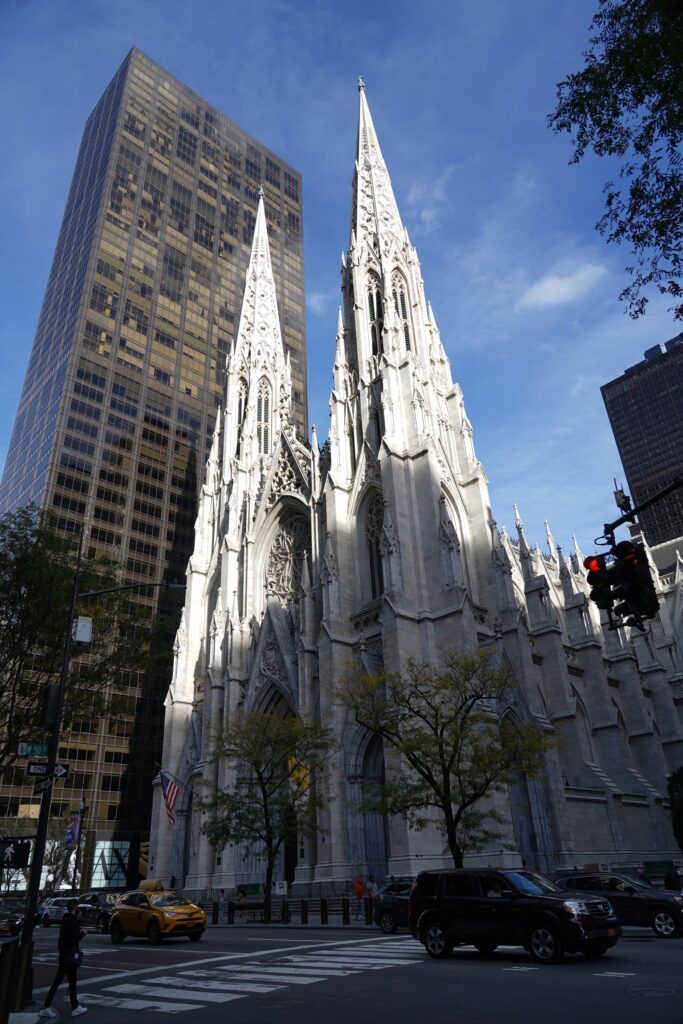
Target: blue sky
<point>523,288</point>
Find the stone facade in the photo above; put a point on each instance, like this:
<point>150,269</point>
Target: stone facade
<point>382,546</point>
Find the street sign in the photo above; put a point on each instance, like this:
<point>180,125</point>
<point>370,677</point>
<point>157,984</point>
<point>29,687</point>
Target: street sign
<point>33,750</point>
<point>38,769</point>
<point>41,785</point>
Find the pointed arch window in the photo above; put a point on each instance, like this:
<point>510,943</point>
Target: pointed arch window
<point>374,519</point>
<point>241,400</point>
<point>263,407</point>
<point>401,310</point>
<point>376,316</point>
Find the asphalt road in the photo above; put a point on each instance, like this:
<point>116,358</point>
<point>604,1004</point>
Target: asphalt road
<point>283,975</point>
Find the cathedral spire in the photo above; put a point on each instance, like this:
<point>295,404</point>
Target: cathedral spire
<point>258,385</point>
<point>374,213</point>
<point>259,321</point>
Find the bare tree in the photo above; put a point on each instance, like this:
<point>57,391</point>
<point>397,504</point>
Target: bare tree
<point>451,749</point>
<point>273,798</point>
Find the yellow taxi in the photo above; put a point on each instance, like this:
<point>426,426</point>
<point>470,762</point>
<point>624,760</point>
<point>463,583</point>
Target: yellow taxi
<point>156,914</point>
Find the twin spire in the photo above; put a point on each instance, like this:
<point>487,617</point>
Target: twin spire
<point>374,209</point>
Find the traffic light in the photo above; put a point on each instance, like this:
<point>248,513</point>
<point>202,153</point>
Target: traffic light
<point>633,588</point>
<point>599,580</point>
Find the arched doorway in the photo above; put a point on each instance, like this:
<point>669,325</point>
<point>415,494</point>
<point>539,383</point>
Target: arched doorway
<point>375,834</point>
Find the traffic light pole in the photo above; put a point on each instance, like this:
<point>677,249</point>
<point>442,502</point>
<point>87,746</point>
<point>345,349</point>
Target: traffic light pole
<point>629,517</point>
<point>52,751</point>
<point>628,579</point>
<point>38,857</point>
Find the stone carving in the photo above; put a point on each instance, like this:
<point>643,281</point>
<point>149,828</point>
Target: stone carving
<point>451,565</point>
<point>286,479</point>
<point>283,571</point>
<point>391,553</point>
<point>271,673</point>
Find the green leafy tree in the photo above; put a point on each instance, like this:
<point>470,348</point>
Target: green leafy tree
<point>451,752</point>
<point>675,787</point>
<point>627,102</point>
<point>274,797</point>
<point>37,565</point>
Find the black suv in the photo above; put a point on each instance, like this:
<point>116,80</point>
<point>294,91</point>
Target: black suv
<point>390,905</point>
<point>487,908</point>
<point>634,901</point>
<point>95,908</point>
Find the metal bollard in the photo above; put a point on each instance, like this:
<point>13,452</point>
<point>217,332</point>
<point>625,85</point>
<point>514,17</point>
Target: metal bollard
<point>323,911</point>
<point>231,912</point>
<point>214,913</point>
<point>304,911</point>
<point>285,912</point>
<point>346,910</point>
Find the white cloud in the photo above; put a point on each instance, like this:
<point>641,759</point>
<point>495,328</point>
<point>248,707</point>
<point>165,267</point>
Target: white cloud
<point>318,302</point>
<point>427,201</point>
<point>585,383</point>
<point>558,289</point>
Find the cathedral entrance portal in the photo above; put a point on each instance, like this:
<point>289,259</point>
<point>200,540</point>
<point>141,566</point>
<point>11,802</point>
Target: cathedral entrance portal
<point>375,837</point>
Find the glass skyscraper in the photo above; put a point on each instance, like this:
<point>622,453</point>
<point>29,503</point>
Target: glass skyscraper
<point>126,372</point>
<point>645,409</point>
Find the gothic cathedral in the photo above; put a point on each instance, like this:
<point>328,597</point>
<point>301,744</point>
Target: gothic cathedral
<point>380,546</point>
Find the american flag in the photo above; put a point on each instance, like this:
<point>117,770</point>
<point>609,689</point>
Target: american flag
<point>170,790</point>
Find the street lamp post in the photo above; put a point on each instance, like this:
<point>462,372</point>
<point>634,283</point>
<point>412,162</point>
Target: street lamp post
<point>26,945</point>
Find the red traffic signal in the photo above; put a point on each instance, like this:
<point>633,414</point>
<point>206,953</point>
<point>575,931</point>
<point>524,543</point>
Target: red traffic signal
<point>599,580</point>
<point>635,587</point>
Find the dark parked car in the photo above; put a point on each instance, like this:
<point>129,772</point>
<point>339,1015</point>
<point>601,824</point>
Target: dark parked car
<point>95,908</point>
<point>634,901</point>
<point>486,908</point>
<point>11,918</point>
<point>390,905</point>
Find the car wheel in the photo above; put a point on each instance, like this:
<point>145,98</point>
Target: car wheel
<point>116,932</point>
<point>437,941</point>
<point>663,923</point>
<point>195,936</point>
<point>545,945</point>
<point>485,948</point>
<point>154,933</point>
<point>388,922</point>
<point>595,952</point>
<point>46,920</point>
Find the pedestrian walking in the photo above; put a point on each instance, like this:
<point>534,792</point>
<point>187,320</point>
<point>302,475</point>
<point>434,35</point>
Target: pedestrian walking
<point>673,880</point>
<point>372,887</point>
<point>360,893</point>
<point>70,956</point>
<point>221,906</point>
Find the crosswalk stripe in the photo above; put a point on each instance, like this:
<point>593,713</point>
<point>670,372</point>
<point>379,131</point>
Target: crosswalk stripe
<point>181,993</point>
<point>121,1003</point>
<point>285,977</point>
<point>212,985</point>
<point>234,986</point>
<point>328,969</point>
<point>351,965</point>
<point>361,962</point>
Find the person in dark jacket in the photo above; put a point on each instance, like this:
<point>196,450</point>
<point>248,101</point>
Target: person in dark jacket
<point>70,935</point>
<point>673,880</point>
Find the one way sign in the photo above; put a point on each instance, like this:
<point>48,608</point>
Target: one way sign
<point>38,769</point>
